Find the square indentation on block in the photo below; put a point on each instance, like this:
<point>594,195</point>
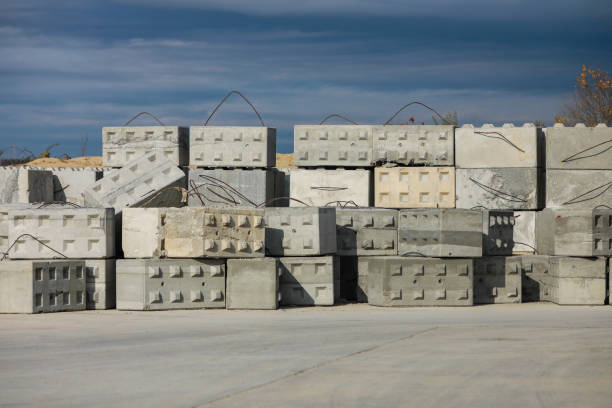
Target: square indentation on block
<point>93,244</point>
<point>195,270</point>
<point>155,297</point>
<point>424,197</point>
<point>404,197</point>
<point>174,271</point>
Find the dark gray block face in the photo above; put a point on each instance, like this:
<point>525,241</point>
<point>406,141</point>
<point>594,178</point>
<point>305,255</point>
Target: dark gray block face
<point>231,187</point>
<point>405,281</point>
<point>440,232</point>
<point>366,231</point>
<point>579,147</point>
<point>253,283</point>
<point>166,284</point>
<point>333,145</point>
<point>497,279</point>
<point>498,232</point>
<point>362,279</point>
<point>347,284</point>
<point>429,145</point>
<point>308,281</point>
<point>578,189</point>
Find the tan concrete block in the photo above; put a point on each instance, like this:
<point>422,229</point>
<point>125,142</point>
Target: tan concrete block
<point>414,187</point>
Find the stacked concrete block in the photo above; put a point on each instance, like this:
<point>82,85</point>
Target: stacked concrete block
<point>309,281</point>
<point>524,232</point>
<point>508,232</point>
<point>232,146</point>
<point>122,145</point>
<point>331,187</point>
<point>300,231</point>
<point>167,284</point>
<point>147,181</point>
<point>440,233</point>
<point>70,183</point>
<point>578,189</point>
<point>415,281</point>
<point>497,279</point>
<point>4,223</point>
<point>414,187</point>
<point>24,185</point>
<point>100,283</point>
<point>253,283</point>
<point>42,286</point>
<point>366,231</point>
<point>347,284</point>
<point>537,281</point>
<point>429,145</point>
<point>333,145</point>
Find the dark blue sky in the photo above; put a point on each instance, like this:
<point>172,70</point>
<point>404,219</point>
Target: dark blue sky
<point>70,67</point>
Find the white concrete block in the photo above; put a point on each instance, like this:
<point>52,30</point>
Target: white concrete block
<point>333,145</point>
<point>414,187</point>
<point>320,188</point>
<point>429,145</point>
<point>579,147</point>
<point>578,189</point>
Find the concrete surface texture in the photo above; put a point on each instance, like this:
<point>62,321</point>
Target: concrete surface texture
<point>505,146</point>
<point>121,145</point>
<point>69,183</point>
<point>578,189</point>
<point>579,147</point>
<point>331,187</point>
<point>332,145</point>
<point>414,187</point>
<point>253,283</point>
<point>22,185</point>
<point>498,279</point>
<point>100,281</point>
<point>366,231</point>
<point>430,145</point>
<point>498,232</point>
<point>308,281</point>
<point>524,232</point>
<point>232,146</point>
<point>4,223</point>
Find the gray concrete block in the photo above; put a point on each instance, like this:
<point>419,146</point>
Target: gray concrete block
<point>507,232</point>
<point>524,232</point>
<point>499,188</point>
<point>429,145</point>
<point>74,232</point>
<point>253,283</point>
<point>579,147</point>
<point>497,279</point>
<point>300,231</point>
<point>538,284</point>
<point>124,144</point>
<point>578,189</point>
<point>331,187</point>
<point>231,187</point>
<point>414,187</point>
<point>166,284</point>
<point>42,286</point>
<point>23,185</point>
<point>282,187</point>
<point>407,281</point>
<point>70,183</point>
<point>366,231</point>
<point>362,279</point>
<point>440,233</point>
<point>308,281</point>
<point>146,181</point>
<point>100,281</point>
<point>507,146</point>
<point>307,294</point>
<point>232,146</point>
<point>333,145</point>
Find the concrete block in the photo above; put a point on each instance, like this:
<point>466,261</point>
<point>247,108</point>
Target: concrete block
<point>366,231</point>
<point>497,279</point>
<point>507,232</point>
<point>578,189</point>
<point>331,187</point>
<point>253,283</point>
<point>100,281</point>
<point>524,232</point>
<point>146,181</point>
<point>407,281</point>
<point>499,188</point>
<point>414,187</point>
<point>332,145</point>
<point>300,231</point>
<point>231,187</point>
<point>124,144</point>
<point>538,284</point>
<point>308,281</point>
<point>574,232</point>
<point>282,188</point>
<point>193,232</point>
<point>506,146</point>
<point>232,146</point>
<point>70,183</point>
<point>579,147</point>
<point>42,286</point>
<point>440,233</point>
<point>74,232</point>
<point>581,281</point>
<point>347,284</point>
<point>23,185</point>
<point>429,145</point>
<point>362,279</point>
<point>166,284</point>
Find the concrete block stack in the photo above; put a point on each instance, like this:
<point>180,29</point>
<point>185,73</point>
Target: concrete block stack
<point>25,185</point>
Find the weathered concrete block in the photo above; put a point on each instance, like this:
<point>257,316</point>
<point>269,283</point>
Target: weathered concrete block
<point>308,281</point>
<point>300,231</point>
<point>440,233</point>
<point>331,187</point>
<point>100,281</point>
<point>70,183</point>
<point>165,284</point>
<point>508,232</point>
<point>538,284</point>
<point>332,145</point>
<point>193,232</point>
<point>579,147</point>
<point>524,232</point>
<point>146,181</point>
<point>42,286</point>
<point>23,185</point>
<point>578,189</point>
<point>497,279</point>
<point>74,232</point>
<point>406,281</point>
<point>232,146</point>
<point>499,188</point>
<point>253,283</point>
<point>507,146</point>
<point>414,187</point>
<point>231,187</point>
<point>4,223</point>
<point>124,144</point>
<point>430,145</point>
<point>366,231</point>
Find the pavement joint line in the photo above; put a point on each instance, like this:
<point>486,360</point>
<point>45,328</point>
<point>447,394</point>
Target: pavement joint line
<point>316,366</point>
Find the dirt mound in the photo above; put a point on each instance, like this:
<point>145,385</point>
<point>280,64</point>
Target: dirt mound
<point>284,161</point>
<point>52,162</point>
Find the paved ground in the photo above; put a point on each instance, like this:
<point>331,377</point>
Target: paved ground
<point>528,355</point>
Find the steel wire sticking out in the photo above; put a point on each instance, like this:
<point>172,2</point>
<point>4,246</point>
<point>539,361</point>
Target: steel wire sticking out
<point>500,194</point>
<point>243,97</point>
<point>144,113</point>
<point>500,137</point>
<point>335,115</point>
<point>5,254</point>
<point>418,103</point>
